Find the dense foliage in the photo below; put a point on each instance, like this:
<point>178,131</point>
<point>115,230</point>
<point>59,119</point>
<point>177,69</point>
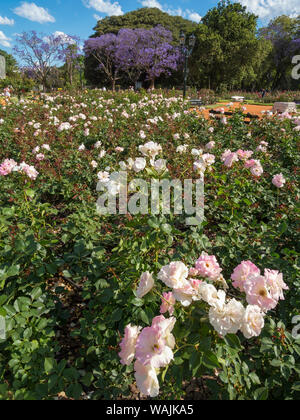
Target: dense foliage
<point>69,276</point>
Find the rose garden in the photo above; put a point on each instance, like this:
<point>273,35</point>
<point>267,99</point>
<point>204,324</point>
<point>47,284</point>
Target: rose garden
<point>134,302</point>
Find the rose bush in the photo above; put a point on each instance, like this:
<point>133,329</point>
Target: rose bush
<point>192,302</point>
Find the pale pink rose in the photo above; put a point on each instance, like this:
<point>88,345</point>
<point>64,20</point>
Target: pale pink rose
<point>94,164</point>
<point>253,321</point>
<point>257,170</point>
<point>30,171</point>
<point>278,180</point>
<point>150,149</point>
<point>128,343</point>
<point>142,134</point>
<point>258,293</point>
<point>174,275</point>
<point>151,348</point>
<point>168,303</point>
<point>210,145</point>
<point>195,283</point>
<point>244,154</point>
<point>7,167</point>
<point>207,266</point>
<point>199,166</point>
<point>250,163</point>
<point>36,150</point>
<point>211,129</point>
<point>225,154</point>
<point>261,148</point>
<point>230,159</point>
<point>40,157</point>
<point>119,149</point>
<point>242,272</point>
<point>193,272</point>
<point>211,295</point>
<point>103,177</point>
<point>146,284</point>
<point>186,295</point>
<point>146,379</point>
<point>46,147</point>
<point>275,283</point>
<point>208,159</point>
<point>165,326</point>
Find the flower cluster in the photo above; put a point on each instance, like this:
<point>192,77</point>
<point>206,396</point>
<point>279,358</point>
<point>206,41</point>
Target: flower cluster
<point>153,346</point>
<point>9,165</point>
<point>264,291</point>
<point>153,349</point>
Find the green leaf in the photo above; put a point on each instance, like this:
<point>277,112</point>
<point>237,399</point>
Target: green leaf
<point>30,193</point>
<point>210,360</point>
<point>261,394</point>
<point>49,364</point>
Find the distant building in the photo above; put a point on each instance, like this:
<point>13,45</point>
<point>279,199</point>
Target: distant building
<point>2,67</point>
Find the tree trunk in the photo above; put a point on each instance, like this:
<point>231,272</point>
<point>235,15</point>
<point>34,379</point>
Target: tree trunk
<point>113,85</point>
<point>152,84</point>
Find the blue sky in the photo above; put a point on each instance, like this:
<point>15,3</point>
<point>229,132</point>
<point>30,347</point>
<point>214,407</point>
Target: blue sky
<point>78,17</point>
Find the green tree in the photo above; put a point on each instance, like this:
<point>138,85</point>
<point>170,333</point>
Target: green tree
<point>11,63</point>
<point>283,33</point>
<point>145,18</point>
<point>227,48</point>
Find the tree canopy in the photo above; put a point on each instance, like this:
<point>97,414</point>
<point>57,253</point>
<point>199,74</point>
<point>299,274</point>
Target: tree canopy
<point>146,18</point>
<point>11,63</point>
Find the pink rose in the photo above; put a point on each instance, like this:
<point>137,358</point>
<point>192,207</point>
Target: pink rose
<point>242,272</point>
<point>128,343</point>
<point>208,267</point>
<point>278,180</point>
<point>168,303</point>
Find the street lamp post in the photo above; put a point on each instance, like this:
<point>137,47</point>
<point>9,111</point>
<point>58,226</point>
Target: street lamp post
<point>186,51</point>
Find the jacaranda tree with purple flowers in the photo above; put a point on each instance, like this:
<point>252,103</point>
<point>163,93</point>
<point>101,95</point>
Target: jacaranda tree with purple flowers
<point>105,50</point>
<point>40,52</point>
<point>135,52</point>
<point>157,55</point>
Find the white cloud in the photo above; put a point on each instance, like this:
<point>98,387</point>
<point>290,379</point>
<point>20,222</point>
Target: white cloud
<point>268,9</point>
<point>4,40</point>
<point>66,39</point>
<point>6,21</point>
<point>151,3</point>
<point>97,17</point>
<point>188,14</point>
<point>34,13</point>
<point>194,16</point>
<point>105,6</point>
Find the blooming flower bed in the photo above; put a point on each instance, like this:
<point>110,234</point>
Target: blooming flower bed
<point>94,303</point>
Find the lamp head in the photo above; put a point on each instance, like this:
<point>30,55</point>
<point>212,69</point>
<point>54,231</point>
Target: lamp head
<point>182,38</point>
<point>192,41</point>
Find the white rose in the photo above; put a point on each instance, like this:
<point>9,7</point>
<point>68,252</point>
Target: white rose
<point>139,164</point>
<point>174,275</point>
<point>253,321</point>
